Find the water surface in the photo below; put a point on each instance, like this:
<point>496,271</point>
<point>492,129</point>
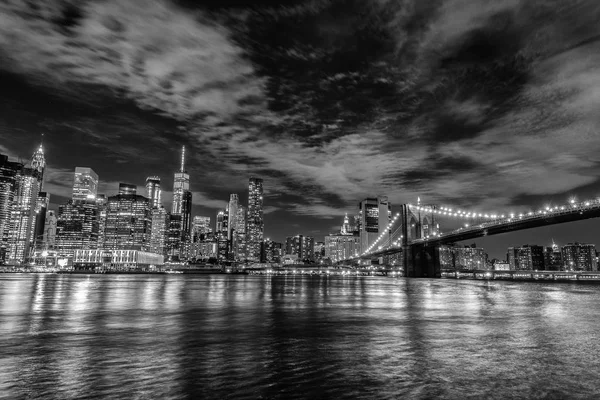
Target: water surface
<point>235,336</point>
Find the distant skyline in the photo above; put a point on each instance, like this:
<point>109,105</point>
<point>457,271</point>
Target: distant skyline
<point>490,105</point>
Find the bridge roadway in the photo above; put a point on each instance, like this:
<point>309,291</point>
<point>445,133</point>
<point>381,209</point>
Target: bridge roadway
<point>570,213</point>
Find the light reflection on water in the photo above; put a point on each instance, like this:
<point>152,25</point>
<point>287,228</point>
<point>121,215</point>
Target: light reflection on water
<point>159,336</point>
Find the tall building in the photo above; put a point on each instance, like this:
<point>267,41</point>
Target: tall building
<point>254,219</point>
<point>173,237</point>
<point>50,226</point>
<point>77,226</point>
<point>303,247</point>
<point>579,257</point>
<point>8,183</point>
<point>239,235</point>
<point>526,258</point>
<point>553,258</point>
<point>22,218</point>
<point>101,203</point>
<point>232,207</point>
<point>468,258</point>
<point>222,222</point>
<point>181,210</point>
<point>41,208</point>
<point>128,222</point>
<point>85,184</point>
<point>343,245</point>
<point>159,228</point>
<point>153,191</point>
<point>271,251</point>
<point>375,215</point>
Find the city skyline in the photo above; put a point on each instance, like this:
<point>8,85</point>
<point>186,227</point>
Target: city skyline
<point>496,111</point>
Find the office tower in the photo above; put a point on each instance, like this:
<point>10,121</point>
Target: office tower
<point>254,219</point>
<point>159,228</point>
<point>200,228</point>
<point>181,184</point>
<point>153,191</point>
<point>181,211</point>
<point>173,240</point>
<point>41,208</point>
<point>579,257</point>
<point>22,218</point>
<point>346,228</point>
<point>239,236</point>
<point>50,226</point>
<point>341,247</point>
<point>526,258</point>
<point>77,226</point>
<point>127,189</point>
<point>8,181</point>
<point>85,184</point>
<point>101,203</point>
<point>303,247</point>
<point>232,208</point>
<point>38,163</point>
<point>128,223</point>
<point>375,215</point>
<point>222,221</point>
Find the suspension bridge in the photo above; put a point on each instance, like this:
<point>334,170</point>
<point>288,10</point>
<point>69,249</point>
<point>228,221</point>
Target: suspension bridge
<point>414,230</point>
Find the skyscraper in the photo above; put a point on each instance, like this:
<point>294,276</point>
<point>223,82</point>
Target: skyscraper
<point>239,235</point>
<point>85,184</point>
<point>200,228</point>
<point>159,227</point>
<point>254,220</point>
<point>232,208</point>
<point>153,191</point>
<point>127,188</point>
<point>303,247</point>
<point>77,226</point>
<point>375,215</point>
<point>38,163</point>
<point>22,218</point>
<point>128,222</point>
<point>181,211</point>
<point>8,181</point>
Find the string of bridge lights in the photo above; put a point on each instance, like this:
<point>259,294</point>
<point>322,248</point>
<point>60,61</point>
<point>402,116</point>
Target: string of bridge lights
<point>460,213</point>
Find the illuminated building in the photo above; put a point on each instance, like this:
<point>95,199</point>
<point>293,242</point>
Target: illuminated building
<point>221,234</point>
<point>50,226</point>
<point>41,208</point>
<point>38,163</point>
<point>375,215</point>
<point>301,246</point>
<point>319,250</point>
<point>200,228</point>
<point>579,257</point>
<point>158,232</point>
<point>501,266</point>
<point>232,208</point>
<point>341,247</point>
<point>22,216</point>
<point>101,203</point>
<point>173,239</point>
<point>553,258</point>
<point>77,226</point>
<point>116,260</point>
<point>128,222</point>
<point>526,258</point>
<point>463,258</point>
<point>153,191</point>
<point>239,234</point>
<point>254,219</point>
<point>8,182</point>
<point>181,211</point>
<point>85,184</point>
<point>127,189</point>
<point>271,251</point>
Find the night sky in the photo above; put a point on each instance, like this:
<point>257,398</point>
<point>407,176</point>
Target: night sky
<point>485,105</point>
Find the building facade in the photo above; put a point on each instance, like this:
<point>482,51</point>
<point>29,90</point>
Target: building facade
<point>85,184</point>
<point>254,219</point>
<point>153,191</point>
<point>579,257</point>
<point>128,223</point>
<point>526,258</point>
<point>375,216</point>
<point>303,247</point>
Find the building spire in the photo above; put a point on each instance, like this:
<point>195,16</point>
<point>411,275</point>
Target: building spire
<point>182,159</point>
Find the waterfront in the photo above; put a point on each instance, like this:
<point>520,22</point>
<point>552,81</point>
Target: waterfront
<point>239,336</point>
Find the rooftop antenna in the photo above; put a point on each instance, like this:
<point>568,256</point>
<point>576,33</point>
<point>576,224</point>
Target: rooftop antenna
<point>182,158</point>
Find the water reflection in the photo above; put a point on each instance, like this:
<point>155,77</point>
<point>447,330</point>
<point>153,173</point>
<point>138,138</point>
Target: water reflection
<point>71,336</point>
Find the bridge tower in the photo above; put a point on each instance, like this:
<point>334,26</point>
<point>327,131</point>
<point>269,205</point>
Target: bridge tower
<point>419,259</point>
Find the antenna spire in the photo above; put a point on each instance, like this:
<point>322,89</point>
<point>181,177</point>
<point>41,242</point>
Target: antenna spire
<point>182,158</point>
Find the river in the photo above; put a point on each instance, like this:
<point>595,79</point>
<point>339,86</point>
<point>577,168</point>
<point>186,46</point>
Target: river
<point>285,337</point>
